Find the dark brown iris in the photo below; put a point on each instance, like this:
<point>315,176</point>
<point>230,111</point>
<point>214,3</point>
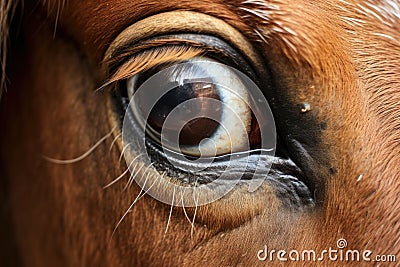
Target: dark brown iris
<point>255,134</point>
<point>193,115</point>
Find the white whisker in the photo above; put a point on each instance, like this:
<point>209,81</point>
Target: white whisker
<point>196,200</point>
<point>146,170</point>
<point>170,213</point>
<point>116,179</point>
<point>115,140</point>
<point>123,151</point>
<point>183,206</point>
<point>138,197</point>
<point>155,180</point>
<point>122,175</point>
<point>84,155</point>
<point>132,178</point>
<point>129,208</point>
<point>126,213</point>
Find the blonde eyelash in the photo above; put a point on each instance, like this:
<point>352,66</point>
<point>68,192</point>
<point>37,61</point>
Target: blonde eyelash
<point>151,58</point>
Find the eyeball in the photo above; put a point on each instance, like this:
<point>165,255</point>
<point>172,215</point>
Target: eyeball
<point>195,117</point>
<point>198,108</point>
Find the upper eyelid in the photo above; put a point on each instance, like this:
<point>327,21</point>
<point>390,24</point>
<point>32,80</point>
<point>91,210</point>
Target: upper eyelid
<point>140,34</point>
<point>183,21</point>
<point>153,51</point>
<point>126,52</point>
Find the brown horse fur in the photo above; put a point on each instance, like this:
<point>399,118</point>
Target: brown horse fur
<point>341,57</point>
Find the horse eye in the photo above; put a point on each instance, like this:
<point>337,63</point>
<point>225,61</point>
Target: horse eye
<point>198,108</point>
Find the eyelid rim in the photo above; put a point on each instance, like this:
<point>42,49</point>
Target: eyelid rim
<point>184,21</point>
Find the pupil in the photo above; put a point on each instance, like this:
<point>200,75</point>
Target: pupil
<point>196,130</point>
<point>193,115</point>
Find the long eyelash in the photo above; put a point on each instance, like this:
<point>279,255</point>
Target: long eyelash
<point>151,58</point>
<point>153,44</point>
<point>176,72</point>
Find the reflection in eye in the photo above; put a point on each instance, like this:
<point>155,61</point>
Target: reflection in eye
<point>196,129</point>
<point>203,109</point>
